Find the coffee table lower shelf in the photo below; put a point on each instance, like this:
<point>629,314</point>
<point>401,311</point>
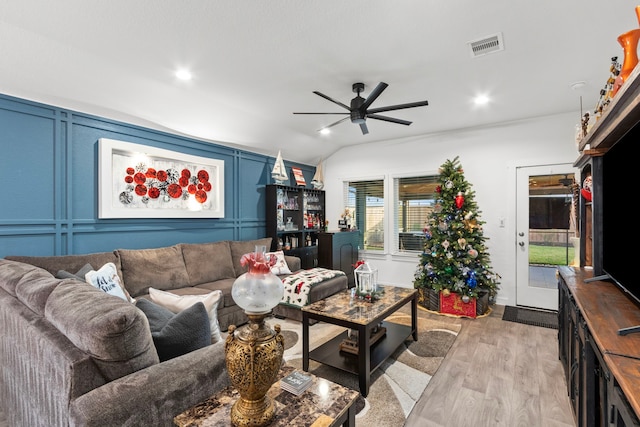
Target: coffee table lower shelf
<point>330,354</point>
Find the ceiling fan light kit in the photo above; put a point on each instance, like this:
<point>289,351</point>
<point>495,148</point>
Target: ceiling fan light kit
<point>359,111</point>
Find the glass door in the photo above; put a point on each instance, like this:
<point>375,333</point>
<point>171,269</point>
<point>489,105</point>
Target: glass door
<point>547,234</point>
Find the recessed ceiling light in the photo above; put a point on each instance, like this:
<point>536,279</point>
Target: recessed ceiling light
<point>481,100</point>
<point>325,131</point>
<point>184,74</point>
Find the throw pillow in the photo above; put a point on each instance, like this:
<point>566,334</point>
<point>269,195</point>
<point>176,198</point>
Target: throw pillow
<point>107,280</point>
<point>177,303</point>
<point>281,266</point>
<point>63,274</point>
<point>177,334</point>
<point>157,315</point>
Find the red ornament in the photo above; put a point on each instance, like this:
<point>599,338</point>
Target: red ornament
<point>459,200</point>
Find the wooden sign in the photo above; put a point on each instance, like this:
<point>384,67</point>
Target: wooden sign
<point>299,177</point>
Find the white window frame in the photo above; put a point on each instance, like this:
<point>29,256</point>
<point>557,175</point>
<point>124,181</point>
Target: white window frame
<point>393,237</point>
<point>384,179</point>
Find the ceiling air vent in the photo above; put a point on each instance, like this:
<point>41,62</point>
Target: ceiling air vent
<point>486,45</point>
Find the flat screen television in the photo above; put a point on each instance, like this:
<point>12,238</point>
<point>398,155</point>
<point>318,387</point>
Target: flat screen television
<point>620,218</point>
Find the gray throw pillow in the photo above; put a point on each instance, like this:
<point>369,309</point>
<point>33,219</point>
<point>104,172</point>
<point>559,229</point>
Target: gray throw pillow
<point>177,334</point>
<point>63,274</point>
<point>157,315</point>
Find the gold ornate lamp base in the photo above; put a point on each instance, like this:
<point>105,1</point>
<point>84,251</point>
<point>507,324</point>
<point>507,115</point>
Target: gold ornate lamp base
<point>254,357</point>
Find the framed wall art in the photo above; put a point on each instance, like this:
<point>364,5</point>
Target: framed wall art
<point>139,181</point>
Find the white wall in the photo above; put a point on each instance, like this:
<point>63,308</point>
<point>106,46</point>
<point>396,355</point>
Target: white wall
<point>489,157</point>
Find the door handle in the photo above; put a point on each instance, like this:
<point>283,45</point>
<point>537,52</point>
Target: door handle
<point>521,243</point>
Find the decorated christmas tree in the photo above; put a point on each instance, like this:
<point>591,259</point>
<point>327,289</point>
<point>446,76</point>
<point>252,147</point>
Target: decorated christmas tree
<point>455,258</point>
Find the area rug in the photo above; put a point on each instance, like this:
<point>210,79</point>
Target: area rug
<point>399,382</point>
<point>542,318</point>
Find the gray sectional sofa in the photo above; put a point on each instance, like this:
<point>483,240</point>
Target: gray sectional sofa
<point>74,355</point>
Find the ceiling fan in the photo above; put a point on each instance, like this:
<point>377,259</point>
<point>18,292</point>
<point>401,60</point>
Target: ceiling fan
<point>359,110</point>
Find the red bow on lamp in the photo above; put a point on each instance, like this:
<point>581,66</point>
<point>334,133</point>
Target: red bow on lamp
<point>358,264</point>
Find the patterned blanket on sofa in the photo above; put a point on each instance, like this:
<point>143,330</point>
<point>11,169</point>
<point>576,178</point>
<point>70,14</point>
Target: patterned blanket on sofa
<point>298,285</point>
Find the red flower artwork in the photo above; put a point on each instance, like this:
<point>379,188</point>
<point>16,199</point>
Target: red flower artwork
<point>141,190</point>
<point>174,190</point>
<point>169,184</point>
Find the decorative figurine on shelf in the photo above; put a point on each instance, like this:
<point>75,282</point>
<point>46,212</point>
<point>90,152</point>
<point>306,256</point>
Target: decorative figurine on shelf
<point>279,172</point>
<point>585,124</point>
<point>345,220</point>
<point>318,178</point>
<point>587,185</point>
<point>606,93</point>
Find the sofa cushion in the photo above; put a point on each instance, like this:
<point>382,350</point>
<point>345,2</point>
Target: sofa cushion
<point>13,272</point>
<point>208,262</point>
<point>71,263</point>
<point>239,248</point>
<point>162,268</point>
<point>177,334</point>
<point>112,331</point>
<point>224,285</point>
<point>33,287</point>
<point>178,303</point>
<point>107,280</point>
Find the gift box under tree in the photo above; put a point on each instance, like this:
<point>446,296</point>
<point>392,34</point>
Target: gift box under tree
<point>454,303</point>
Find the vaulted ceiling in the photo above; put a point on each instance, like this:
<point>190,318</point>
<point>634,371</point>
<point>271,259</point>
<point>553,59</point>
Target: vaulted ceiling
<point>254,63</point>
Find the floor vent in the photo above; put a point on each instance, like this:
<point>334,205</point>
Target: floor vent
<point>486,45</point>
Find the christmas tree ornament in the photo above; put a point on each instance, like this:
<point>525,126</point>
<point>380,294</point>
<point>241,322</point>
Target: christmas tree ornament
<point>472,282</point>
<point>462,242</point>
<point>468,215</point>
<point>449,185</point>
<point>438,189</point>
<point>471,224</point>
<point>473,253</point>
<point>437,208</point>
<point>445,244</point>
<point>465,299</point>
<point>446,292</point>
<point>459,200</point>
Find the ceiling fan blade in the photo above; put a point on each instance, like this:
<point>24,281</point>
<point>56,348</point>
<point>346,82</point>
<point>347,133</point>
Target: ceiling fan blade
<point>364,129</point>
<point>373,95</point>
<point>398,107</point>
<point>321,113</point>
<point>333,124</point>
<point>389,119</point>
<point>330,99</point>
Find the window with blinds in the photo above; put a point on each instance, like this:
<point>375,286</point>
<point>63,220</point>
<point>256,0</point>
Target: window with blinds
<point>366,200</point>
<point>414,201</point>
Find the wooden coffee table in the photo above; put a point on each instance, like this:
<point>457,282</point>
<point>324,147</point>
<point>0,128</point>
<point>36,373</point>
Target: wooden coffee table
<point>324,403</point>
<point>342,310</point>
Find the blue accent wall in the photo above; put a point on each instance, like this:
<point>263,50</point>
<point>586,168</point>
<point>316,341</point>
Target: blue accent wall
<point>49,185</point>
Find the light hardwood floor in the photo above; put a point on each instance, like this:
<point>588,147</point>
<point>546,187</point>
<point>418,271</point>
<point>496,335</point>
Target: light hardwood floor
<point>497,373</point>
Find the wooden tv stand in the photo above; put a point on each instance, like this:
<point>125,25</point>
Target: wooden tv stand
<point>602,367</point>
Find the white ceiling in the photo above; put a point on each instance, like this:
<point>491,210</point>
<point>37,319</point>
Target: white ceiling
<point>256,62</point>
